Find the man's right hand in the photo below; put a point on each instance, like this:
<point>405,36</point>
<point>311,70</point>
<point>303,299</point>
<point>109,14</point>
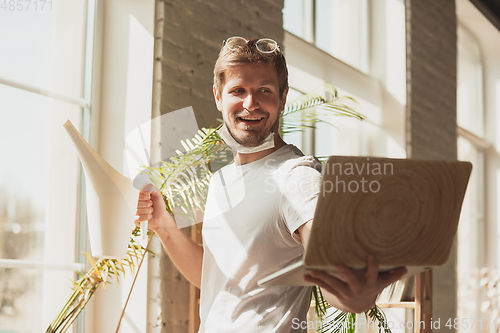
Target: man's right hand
<point>151,207</point>
<point>186,254</point>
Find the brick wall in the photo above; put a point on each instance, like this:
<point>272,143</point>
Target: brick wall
<point>431,78</point>
<point>431,121</point>
<point>191,37</point>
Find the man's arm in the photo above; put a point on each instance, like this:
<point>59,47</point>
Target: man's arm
<point>358,293</point>
<point>186,254</point>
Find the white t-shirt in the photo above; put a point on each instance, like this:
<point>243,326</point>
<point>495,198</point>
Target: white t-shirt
<point>251,215</point>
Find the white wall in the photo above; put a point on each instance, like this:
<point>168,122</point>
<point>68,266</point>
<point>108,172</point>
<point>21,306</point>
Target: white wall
<point>121,102</point>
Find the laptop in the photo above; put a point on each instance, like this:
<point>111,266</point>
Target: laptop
<point>403,211</point>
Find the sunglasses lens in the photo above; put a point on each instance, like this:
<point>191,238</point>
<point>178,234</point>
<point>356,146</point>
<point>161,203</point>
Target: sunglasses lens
<point>266,45</point>
<point>235,42</point>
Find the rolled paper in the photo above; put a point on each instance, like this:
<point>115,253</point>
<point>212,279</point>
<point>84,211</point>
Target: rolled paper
<point>111,201</point>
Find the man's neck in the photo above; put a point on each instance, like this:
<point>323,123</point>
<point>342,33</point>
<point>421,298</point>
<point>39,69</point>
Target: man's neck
<point>241,159</point>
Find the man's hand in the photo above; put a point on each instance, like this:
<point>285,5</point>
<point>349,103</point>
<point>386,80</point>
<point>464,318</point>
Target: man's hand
<point>151,207</point>
<point>186,254</point>
<point>358,293</point>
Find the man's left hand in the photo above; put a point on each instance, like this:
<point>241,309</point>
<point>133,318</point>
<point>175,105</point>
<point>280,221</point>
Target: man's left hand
<point>358,293</point>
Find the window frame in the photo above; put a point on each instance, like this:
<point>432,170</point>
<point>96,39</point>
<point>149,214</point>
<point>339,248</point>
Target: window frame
<point>84,103</point>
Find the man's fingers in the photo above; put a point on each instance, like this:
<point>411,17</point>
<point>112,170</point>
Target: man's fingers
<point>323,284</point>
<point>141,218</point>
<point>144,203</point>
<point>387,279</point>
<point>145,211</point>
<point>372,273</point>
<point>332,283</point>
<point>144,195</point>
<point>156,195</point>
<point>351,278</point>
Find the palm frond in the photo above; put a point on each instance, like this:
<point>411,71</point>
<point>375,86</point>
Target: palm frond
<point>317,107</point>
<point>325,97</point>
<point>86,286</point>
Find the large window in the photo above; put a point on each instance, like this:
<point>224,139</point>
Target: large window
<point>65,60</point>
<point>471,145</point>
<point>469,117</point>
<point>340,28</point>
<point>478,101</point>
<point>469,84</point>
<point>41,85</point>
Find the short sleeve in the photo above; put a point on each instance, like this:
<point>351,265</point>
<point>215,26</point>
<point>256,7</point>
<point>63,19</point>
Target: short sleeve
<point>300,190</point>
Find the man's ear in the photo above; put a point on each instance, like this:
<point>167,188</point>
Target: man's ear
<point>218,100</point>
<point>283,99</point>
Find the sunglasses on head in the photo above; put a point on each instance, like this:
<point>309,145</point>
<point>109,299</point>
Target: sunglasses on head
<point>263,45</point>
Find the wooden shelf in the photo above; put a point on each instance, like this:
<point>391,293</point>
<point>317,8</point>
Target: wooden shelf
<point>422,304</point>
<point>404,305</point>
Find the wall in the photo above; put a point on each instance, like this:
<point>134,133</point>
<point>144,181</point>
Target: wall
<point>431,110</point>
<point>121,101</point>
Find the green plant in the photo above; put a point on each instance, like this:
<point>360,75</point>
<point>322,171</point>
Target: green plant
<point>183,181</point>
<point>343,322</point>
<point>101,273</point>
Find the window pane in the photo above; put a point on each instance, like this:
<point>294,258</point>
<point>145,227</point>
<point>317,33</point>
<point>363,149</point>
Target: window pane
<point>23,292</point>
<point>42,44</point>
<point>298,18</point>
<point>469,235</point>
<point>469,84</point>
<point>28,48</point>
<point>382,142</point>
<point>337,136</point>
<point>294,136</point>
<point>340,29</point>
<point>349,136</point>
<point>394,76</point>
<point>38,191</point>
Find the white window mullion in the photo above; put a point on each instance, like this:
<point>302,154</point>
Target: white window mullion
<point>14,263</point>
<point>44,92</point>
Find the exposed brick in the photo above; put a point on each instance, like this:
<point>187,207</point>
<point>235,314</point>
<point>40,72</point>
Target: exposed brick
<point>431,123</point>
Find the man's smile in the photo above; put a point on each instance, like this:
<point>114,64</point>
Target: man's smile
<point>250,120</point>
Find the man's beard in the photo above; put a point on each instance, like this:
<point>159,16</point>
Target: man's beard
<point>256,138</point>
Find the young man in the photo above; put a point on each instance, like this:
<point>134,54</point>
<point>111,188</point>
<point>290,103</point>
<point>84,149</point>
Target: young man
<point>259,209</point>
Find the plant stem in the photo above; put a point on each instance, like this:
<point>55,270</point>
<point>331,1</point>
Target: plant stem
<point>133,283</point>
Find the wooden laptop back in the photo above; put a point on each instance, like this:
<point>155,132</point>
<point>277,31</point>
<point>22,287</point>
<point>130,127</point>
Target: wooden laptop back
<point>403,211</point>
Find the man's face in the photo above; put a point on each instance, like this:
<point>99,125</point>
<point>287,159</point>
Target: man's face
<point>250,102</point>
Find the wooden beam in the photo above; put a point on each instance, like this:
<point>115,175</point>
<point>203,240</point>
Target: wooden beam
<point>423,302</point>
